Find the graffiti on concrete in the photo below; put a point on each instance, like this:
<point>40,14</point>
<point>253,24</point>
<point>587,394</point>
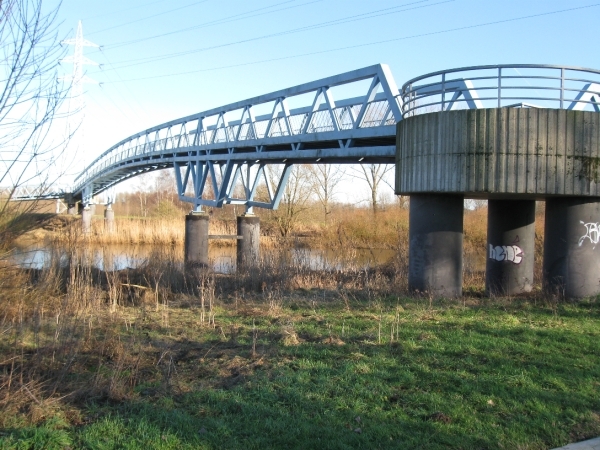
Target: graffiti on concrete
<point>592,232</point>
<point>511,253</point>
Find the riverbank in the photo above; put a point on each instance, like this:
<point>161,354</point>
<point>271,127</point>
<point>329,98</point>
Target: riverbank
<point>131,360</point>
<point>284,353</point>
<point>356,228</point>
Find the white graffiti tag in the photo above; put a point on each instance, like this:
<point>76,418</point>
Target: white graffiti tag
<point>512,253</point>
<point>592,232</point>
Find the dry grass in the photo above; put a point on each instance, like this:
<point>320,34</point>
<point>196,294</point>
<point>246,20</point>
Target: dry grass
<point>65,319</point>
<point>127,231</point>
<point>359,228</point>
<point>72,334</point>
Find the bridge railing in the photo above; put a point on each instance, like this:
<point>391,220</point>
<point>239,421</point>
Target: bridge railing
<point>497,86</point>
<point>235,128</point>
<point>34,192</point>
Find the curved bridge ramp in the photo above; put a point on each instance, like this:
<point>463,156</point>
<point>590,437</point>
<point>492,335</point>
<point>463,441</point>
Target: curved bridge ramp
<point>215,151</point>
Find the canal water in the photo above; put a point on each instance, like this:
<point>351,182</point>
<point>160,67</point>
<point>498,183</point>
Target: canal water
<point>223,259</point>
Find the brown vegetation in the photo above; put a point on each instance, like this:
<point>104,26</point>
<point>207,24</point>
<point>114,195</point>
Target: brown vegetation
<point>62,326</point>
<point>64,319</point>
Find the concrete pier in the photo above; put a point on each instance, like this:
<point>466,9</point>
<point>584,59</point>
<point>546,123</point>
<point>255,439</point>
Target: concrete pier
<point>72,209</point>
<point>248,248</point>
<point>86,220</point>
<point>196,240</point>
<point>435,244</point>
<point>512,157</point>
<point>571,250</point>
<point>510,247</point>
<point>109,219</point>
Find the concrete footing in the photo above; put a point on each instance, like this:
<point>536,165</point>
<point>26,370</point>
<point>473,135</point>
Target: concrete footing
<point>510,247</point>
<point>109,220</point>
<point>571,246</point>
<point>435,244</point>
<point>248,248</point>
<point>196,240</point>
<point>86,220</point>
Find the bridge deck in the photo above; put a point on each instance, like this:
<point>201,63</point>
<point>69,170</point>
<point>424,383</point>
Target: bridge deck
<point>231,144</point>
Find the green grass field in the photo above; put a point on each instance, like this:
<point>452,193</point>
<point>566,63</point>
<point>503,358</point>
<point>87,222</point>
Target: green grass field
<point>312,371</point>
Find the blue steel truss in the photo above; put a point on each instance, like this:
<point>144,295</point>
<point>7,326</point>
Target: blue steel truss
<point>222,155</point>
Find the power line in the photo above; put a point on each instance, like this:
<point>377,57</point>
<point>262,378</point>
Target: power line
<point>227,19</point>
<point>130,92</point>
<point>145,5</point>
<point>432,33</point>
<point>149,17</point>
<point>357,17</point>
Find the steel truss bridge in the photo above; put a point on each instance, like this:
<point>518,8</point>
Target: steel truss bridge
<point>222,156</point>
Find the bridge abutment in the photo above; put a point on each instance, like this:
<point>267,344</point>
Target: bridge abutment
<point>248,246</point>
<point>510,247</point>
<point>571,265</point>
<point>196,240</point>
<point>436,245</point>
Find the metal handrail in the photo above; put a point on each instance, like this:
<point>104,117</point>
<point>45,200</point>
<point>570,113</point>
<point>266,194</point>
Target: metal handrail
<point>211,132</point>
<point>565,87</point>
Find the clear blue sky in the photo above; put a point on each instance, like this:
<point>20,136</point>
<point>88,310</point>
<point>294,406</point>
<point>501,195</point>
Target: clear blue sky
<point>289,42</point>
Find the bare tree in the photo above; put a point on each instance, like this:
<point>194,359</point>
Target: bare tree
<point>374,175</point>
<point>144,185</point>
<point>165,185</point>
<point>30,103</point>
<point>325,179</point>
<point>294,201</point>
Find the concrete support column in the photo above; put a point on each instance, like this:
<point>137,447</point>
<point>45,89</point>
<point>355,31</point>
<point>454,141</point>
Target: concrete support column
<point>510,247</point>
<point>72,209</point>
<point>109,219</point>
<point>248,227</point>
<point>196,239</point>
<point>571,250</point>
<point>436,244</point>
<point>86,220</point>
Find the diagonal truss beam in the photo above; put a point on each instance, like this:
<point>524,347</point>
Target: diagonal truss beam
<point>231,144</point>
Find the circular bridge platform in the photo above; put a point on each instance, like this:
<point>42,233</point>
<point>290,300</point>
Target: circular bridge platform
<point>521,153</point>
<point>512,135</point>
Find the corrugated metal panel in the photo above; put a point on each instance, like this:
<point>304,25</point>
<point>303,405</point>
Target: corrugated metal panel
<point>526,152</point>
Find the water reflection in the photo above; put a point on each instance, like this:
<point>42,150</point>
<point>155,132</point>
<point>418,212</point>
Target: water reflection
<point>223,259</point>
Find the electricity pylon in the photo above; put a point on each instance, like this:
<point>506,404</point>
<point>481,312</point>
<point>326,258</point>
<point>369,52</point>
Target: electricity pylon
<point>77,79</point>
